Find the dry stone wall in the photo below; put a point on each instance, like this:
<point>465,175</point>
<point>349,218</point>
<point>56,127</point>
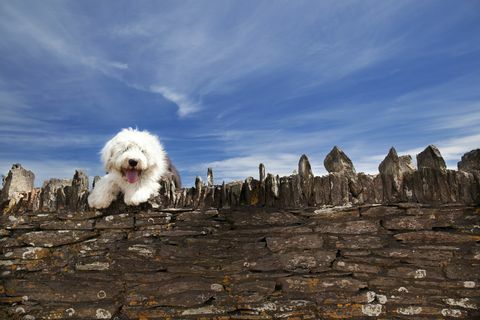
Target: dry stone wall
<point>402,244</point>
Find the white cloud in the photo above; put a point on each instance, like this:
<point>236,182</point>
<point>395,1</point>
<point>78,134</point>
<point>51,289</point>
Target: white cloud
<point>185,106</point>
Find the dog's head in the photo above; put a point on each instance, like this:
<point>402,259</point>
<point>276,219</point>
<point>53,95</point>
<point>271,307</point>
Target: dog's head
<point>133,153</point>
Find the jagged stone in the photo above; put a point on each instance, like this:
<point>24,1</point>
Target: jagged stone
<point>392,171</point>
<point>321,190</point>
<point>48,197</point>
<point>18,180</point>
<point>251,192</point>
<point>306,181</point>
<point>209,177</point>
<point>470,161</point>
<point>337,161</point>
<point>261,172</point>
<point>431,158</point>
<point>78,192</point>
<point>272,189</point>
<point>198,192</point>
<point>234,191</point>
<point>339,189</point>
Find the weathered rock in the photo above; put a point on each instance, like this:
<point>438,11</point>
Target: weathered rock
<point>437,220</point>
<point>78,192</point>
<point>119,221</point>
<point>306,181</point>
<point>251,190</point>
<point>470,161</point>
<point>339,189</point>
<point>55,238</point>
<point>261,172</point>
<point>368,190</point>
<point>209,177</point>
<point>305,241</point>
<point>48,197</point>
<point>234,191</point>
<point>351,266</point>
<point>307,261</point>
<point>392,171</point>
<point>319,284</point>
<point>337,161</point>
<point>18,180</point>
<point>349,227</point>
<point>431,158</point>
<point>435,237</point>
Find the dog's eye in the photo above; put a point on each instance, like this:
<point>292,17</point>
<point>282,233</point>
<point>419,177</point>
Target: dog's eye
<point>142,151</point>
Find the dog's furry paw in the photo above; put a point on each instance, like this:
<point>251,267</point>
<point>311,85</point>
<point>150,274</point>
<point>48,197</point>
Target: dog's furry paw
<point>137,198</point>
<point>97,202</point>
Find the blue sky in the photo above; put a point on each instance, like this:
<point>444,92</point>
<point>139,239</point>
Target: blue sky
<point>229,84</point>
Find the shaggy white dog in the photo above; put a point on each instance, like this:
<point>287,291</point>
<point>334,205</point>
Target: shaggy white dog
<point>134,161</point>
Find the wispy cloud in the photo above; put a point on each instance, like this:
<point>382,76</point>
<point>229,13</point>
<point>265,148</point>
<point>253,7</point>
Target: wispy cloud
<point>185,106</point>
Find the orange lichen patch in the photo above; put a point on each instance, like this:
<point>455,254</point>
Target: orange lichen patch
<point>142,317</point>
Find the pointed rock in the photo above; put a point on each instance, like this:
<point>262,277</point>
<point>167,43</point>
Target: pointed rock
<point>48,197</point>
<point>337,161</point>
<point>304,168</point>
<point>431,158</point>
<point>392,170</point>
<point>261,171</point>
<point>77,194</point>
<point>306,181</point>
<point>209,177</point>
<point>18,180</point>
<point>470,161</point>
<point>391,163</point>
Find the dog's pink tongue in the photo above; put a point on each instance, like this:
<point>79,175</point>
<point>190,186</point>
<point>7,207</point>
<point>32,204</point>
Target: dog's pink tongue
<point>132,176</point>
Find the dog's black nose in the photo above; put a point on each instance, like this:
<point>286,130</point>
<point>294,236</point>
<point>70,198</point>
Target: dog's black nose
<point>132,162</point>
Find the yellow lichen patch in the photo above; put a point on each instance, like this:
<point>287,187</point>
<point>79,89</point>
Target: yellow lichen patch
<point>313,284</point>
<point>10,299</point>
<point>142,317</point>
<point>226,281</point>
<point>254,199</point>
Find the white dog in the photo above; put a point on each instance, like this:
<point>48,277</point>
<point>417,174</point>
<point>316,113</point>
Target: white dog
<point>134,161</point>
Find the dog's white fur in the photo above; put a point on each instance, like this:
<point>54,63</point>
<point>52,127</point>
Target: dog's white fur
<point>128,144</point>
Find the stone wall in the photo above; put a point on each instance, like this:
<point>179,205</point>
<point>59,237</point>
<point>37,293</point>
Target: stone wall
<point>402,244</point>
